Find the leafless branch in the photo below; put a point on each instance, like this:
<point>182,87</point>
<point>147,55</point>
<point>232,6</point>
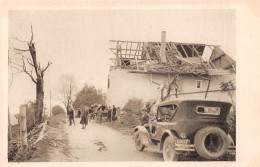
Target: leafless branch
<point>30,74</point>
<point>20,70</point>
<point>17,72</point>
<point>49,63</point>
<point>16,64</point>
<point>31,35</point>
<point>17,58</point>
<point>11,82</point>
<point>20,40</point>
<point>29,62</point>
<point>22,50</point>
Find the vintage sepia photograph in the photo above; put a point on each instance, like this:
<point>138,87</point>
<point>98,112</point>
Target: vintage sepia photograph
<point>116,85</point>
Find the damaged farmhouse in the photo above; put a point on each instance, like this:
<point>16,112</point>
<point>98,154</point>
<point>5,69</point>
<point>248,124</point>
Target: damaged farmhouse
<point>168,70</point>
<point>193,90</point>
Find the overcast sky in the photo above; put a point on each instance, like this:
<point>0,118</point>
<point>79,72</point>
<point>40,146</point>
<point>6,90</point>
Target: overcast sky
<point>77,41</point>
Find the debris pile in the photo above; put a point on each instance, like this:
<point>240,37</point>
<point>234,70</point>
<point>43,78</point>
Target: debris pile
<point>177,68</point>
<point>39,138</point>
<point>101,146</point>
<point>122,128</point>
<point>14,153</point>
<point>54,134</point>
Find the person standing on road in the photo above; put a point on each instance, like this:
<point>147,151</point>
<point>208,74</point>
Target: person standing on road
<point>87,113</point>
<point>109,114</point>
<point>71,116</point>
<point>114,118</point>
<point>91,113</point>
<point>84,117</point>
<point>99,113</point>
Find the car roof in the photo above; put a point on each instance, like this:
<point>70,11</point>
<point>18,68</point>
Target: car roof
<point>178,101</point>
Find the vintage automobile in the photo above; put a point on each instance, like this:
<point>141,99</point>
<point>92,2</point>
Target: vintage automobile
<point>188,128</point>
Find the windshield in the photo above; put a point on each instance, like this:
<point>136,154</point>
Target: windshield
<point>165,113</point>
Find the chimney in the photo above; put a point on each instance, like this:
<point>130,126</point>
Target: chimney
<point>163,45</point>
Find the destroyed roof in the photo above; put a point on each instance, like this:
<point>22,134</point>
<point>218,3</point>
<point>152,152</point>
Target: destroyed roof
<point>182,58</point>
<point>221,60</point>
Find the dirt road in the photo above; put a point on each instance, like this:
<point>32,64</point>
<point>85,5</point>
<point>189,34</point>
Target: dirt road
<point>100,143</point>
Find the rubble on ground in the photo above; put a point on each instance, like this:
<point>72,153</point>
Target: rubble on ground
<point>51,136</point>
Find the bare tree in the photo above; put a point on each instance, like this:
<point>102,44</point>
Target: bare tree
<point>23,62</point>
<point>66,89</point>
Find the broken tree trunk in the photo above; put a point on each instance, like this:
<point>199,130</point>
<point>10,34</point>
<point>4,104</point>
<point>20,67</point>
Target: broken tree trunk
<point>39,99</point>
<point>41,135</point>
<point>23,127</point>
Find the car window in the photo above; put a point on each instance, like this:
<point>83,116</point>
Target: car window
<point>208,110</point>
<point>165,113</point>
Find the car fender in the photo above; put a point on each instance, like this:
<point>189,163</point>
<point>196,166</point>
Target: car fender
<point>230,140</point>
<point>144,134</point>
<point>165,134</point>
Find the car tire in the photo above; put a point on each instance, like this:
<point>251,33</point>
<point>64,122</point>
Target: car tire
<point>211,142</point>
<point>138,142</point>
<point>169,153</point>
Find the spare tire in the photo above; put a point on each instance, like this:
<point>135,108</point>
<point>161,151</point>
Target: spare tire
<point>211,142</point>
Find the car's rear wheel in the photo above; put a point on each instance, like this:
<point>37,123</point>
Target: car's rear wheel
<point>211,142</point>
<point>169,153</point>
<point>138,142</point>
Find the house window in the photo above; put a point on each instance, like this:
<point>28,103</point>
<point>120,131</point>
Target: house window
<point>125,62</point>
<point>198,84</point>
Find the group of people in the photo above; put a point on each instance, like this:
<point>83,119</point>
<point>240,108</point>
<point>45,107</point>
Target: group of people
<point>94,112</point>
<point>83,113</point>
<point>111,114</point>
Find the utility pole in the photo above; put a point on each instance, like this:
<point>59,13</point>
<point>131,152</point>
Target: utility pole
<point>50,103</point>
<point>10,127</point>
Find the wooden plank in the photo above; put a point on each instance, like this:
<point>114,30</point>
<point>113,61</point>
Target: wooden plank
<point>178,43</point>
<point>126,49</point>
<point>137,66</point>
<point>155,83</point>
<point>130,49</point>
<point>139,46</point>
<point>136,48</point>
<point>112,51</point>
<point>200,92</point>
<point>212,64</point>
<point>123,54</point>
<point>192,50</point>
<point>184,51</point>
<point>196,51</point>
<point>121,41</point>
<point>148,55</point>
<point>207,88</point>
<point>117,56</point>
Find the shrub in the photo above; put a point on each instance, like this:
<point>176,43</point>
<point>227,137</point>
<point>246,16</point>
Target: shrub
<point>57,110</point>
<point>134,105</point>
<point>232,125</point>
<point>132,110</point>
<point>229,87</point>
